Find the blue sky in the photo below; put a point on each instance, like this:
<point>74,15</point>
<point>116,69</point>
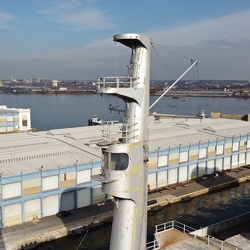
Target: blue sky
<point>72,39</point>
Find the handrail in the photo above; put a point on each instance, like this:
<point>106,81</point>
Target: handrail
<point>166,226</point>
<point>117,82</point>
<point>113,132</point>
<point>209,240</point>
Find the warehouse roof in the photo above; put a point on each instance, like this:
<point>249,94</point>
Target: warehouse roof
<point>173,132</point>
<point>27,152</point>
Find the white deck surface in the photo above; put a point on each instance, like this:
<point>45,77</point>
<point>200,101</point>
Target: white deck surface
<point>240,240</point>
<point>173,239</point>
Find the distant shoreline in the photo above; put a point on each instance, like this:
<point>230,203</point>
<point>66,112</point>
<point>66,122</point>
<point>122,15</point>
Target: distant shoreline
<point>176,95</point>
<point>84,92</point>
<point>80,92</point>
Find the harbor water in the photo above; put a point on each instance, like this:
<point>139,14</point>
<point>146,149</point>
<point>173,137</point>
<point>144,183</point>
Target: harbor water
<point>55,111</point>
<point>62,111</point>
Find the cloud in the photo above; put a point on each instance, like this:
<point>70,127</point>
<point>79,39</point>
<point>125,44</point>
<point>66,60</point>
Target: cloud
<point>220,45</point>
<point>96,59</point>
<point>77,15</point>
<point>226,31</point>
<point>6,21</point>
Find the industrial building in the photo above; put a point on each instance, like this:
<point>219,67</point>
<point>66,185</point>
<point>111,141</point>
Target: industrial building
<point>42,173</point>
<point>14,120</point>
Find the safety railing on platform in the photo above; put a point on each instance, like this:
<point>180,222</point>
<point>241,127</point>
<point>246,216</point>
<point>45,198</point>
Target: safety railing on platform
<point>117,82</point>
<point>123,132</point>
<point>209,240</point>
<point>167,226</point>
<point>218,244</point>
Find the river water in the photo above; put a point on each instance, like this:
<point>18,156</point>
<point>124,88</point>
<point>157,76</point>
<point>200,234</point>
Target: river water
<point>61,111</point>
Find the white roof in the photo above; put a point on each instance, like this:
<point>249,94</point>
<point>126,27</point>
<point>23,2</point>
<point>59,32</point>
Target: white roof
<point>173,132</point>
<point>4,109</point>
<point>27,152</point>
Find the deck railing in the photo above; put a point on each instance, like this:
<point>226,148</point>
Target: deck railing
<point>209,240</point>
<point>124,132</point>
<point>117,82</point>
<point>167,226</point>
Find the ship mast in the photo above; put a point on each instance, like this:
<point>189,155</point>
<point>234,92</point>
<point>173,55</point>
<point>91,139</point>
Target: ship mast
<point>124,165</point>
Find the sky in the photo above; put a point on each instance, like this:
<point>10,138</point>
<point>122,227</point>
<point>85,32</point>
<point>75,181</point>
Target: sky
<point>73,39</point>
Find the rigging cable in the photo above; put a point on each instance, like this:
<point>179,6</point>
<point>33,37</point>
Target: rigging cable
<point>197,76</point>
<point>174,52</point>
<point>91,224</point>
<point>116,56</point>
<point>171,51</point>
<point>161,60</point>
<point>193,62</point>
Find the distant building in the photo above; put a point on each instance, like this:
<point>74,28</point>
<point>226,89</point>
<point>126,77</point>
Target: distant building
<point>55,83</point>
<point>14,120</point>
<point>35,80</point>
<point>63,89</point>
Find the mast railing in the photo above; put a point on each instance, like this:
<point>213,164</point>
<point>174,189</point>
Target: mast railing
<point>117,82</point>
<point>123,132</point>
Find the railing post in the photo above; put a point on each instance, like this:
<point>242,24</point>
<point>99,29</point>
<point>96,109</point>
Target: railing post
<point>117,82</point>
<point>109,126</point>
<point>184,229</point>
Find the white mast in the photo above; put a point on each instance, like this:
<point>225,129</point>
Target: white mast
<point>124,169</point>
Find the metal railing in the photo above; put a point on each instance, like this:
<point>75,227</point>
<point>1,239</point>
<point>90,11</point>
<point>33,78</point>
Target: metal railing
<point>218,244</point>
<point>209,240</point>
<point>167,226</point>
<point>174,224</point>
<point>117,82</point>
<point>119,132</point>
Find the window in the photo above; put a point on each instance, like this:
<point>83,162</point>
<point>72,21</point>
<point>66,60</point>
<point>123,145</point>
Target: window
<point>116,161</point>
<point>24,121</point>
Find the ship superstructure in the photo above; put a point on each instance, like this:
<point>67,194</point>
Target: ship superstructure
<point>124,169</point>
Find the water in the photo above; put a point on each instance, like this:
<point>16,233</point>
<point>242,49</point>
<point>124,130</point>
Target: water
<point>62,110</point>
<point>201,211</point>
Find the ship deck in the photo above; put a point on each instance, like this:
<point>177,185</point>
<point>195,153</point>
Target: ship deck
<point>174,239</point>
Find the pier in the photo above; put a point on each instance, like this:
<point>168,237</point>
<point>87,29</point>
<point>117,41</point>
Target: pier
<point>52,227</point>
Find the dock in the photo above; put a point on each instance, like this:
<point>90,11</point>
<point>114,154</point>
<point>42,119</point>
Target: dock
<point>52,227</point>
